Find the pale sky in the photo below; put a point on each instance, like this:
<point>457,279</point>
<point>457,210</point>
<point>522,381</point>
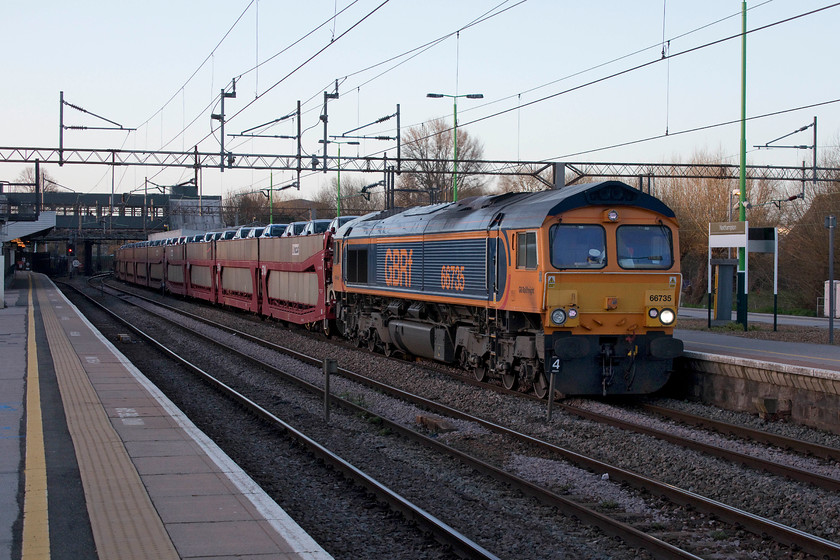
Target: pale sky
<point>148,65</point>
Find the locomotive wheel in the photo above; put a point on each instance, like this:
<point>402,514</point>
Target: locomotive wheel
<point>388,349</point>
<point>541,386</point>
<point>373,338</point>
<point>480,372</point>
<point>509,381</point>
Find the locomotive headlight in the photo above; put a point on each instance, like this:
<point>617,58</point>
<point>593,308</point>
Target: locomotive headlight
<point>610,215</point>
<point>653,313</point>
<point>667,316</point>
<point>573,312</point>
<point>558,316</point>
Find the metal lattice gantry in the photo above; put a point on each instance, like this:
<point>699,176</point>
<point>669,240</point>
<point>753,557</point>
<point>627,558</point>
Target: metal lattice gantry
<point>559,173</point>
<point>580,171</point>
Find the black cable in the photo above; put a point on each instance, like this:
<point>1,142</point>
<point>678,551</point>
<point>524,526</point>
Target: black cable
<point>600,65</point>
<point>200,66</point>
<point>697,129</point>
<point>302,64</point>
<point>216,98</point>
<point>652,62</point>
<point>422,48</point>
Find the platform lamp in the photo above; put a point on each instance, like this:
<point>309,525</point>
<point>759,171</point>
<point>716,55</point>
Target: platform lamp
<point>455,134</point>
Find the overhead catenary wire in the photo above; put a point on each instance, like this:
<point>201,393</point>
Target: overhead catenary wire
<point>200,66</point>
<point>304,63</point>
<point>649,63</point>
<point>656,45</point>
<point>518,95</point>
<point>641,66</point>
<point>656,61</point>
<point>698,129</point>
<point>417,51</point>
<point>215,99</point>
<point>637,67</point>
<point>214,95</point>
<point>665,48</point>
<point>519,105</point>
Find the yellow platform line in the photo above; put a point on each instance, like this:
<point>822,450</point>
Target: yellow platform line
<point>124,522</point>
<point>36,527</point>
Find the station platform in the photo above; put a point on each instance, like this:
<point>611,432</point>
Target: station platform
<point>776,379</point>
<point>786,354</point>
<point>95,462</point>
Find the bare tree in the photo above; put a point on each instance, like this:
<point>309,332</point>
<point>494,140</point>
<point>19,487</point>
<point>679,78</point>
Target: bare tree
<point>47,182</point>
<point>432,144</point>
<point>353,201</point>
<point>697,202</point>
<point>524,180</point>
<point>245,207</point>
<point>804,243</point>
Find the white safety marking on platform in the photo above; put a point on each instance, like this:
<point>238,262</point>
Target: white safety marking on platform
<point>737,348</point>
<point>92,359</point>
<point>276,516</point>
<point>74,333</point>
<point>65,318</point>
<point>59,307</point>
<point>130,417</point>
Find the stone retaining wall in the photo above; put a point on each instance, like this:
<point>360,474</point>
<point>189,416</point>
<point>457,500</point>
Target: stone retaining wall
<point>807,396</point>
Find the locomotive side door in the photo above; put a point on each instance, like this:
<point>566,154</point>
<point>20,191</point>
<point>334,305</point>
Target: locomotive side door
<point>496,262</point>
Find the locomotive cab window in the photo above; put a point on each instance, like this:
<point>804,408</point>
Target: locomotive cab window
<point>648,247</point>
<point>577,246</point>
<point>526,250</point>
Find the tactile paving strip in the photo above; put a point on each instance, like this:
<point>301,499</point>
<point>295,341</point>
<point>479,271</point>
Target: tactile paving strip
<point>125,523</point>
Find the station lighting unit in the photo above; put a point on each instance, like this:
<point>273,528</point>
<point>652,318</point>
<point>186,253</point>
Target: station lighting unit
<point>455,134</point>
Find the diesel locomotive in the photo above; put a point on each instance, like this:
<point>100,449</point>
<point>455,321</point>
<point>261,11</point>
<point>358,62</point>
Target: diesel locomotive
<point>581,283</point>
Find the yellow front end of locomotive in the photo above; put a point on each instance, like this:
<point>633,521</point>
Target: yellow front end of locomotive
<point>610,303</point>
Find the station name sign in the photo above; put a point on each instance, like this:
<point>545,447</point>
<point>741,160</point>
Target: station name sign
<point>728,234</point>
<point>727,228</point>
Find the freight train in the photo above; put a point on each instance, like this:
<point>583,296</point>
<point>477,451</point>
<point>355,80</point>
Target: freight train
<point>581,283</point>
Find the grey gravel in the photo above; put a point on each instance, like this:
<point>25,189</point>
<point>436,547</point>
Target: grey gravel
<point>795,504</point>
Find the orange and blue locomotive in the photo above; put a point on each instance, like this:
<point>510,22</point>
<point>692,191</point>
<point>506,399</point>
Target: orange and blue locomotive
<point>581,282</point>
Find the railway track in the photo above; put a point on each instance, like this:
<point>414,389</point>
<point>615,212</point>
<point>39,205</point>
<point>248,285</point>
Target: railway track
<point>588,515</point>
<point>461,544</point>
<point>774,467</point>
<point>750,434</point>
<point>767,465</point>
<point>783,534</point>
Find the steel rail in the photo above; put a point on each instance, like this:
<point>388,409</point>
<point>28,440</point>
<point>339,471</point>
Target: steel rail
<point>612,527</point>
<point>814,449</point>
<point>443,532</point>
<point>793,473</point>
<point>788,471</point>
<point>758,525</point>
